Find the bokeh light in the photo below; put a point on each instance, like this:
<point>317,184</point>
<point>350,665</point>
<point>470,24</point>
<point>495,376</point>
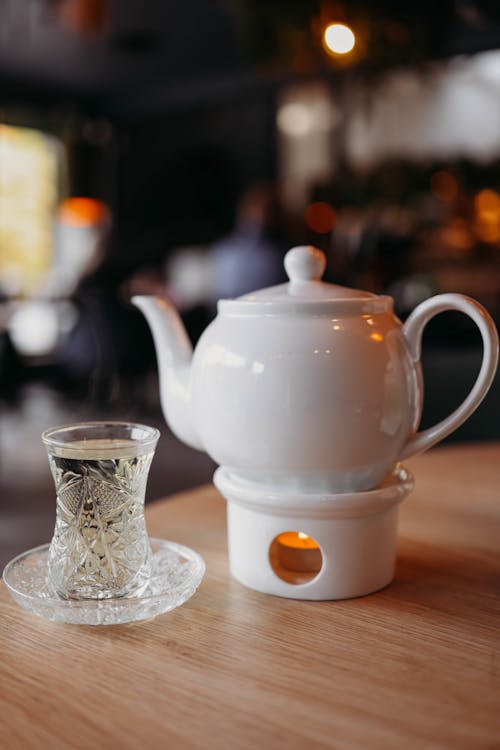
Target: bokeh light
<point>487,220</point>
<point>34,328</point>
<point>29,173</point>
<point>294,119</point>
<point>82,212</point>
<point>339,38</point>
<point>320,217</point>
<point>487,203</point>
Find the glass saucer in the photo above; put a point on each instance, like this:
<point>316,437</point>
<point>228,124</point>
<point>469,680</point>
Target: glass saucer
<point>177,571</point>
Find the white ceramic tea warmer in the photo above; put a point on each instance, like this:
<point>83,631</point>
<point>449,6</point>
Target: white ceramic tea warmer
<point>307,390</point>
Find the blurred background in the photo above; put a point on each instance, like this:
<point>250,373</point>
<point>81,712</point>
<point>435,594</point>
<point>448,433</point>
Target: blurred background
<point>181,148</point>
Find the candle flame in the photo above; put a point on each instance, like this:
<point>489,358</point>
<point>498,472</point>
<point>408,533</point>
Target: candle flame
<point>296,540</point>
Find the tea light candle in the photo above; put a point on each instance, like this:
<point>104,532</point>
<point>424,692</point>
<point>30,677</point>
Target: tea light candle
<point>298,552</point>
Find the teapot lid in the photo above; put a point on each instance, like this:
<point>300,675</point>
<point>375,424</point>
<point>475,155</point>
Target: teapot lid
<point>305,292</point>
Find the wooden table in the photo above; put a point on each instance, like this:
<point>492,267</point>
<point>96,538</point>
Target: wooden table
<point>413,666</point>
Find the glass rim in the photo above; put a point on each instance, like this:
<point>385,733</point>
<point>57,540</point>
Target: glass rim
<point>53,436</point>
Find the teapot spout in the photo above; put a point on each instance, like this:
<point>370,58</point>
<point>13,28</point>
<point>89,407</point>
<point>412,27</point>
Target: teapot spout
<point>174,354</point>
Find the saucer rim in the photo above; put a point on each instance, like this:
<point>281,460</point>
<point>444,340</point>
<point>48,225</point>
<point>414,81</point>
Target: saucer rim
<point>60,604</point>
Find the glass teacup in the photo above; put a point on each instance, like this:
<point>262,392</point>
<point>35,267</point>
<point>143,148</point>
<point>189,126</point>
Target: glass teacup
<point>100,548</point>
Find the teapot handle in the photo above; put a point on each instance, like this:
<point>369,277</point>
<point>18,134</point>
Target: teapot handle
<point>413,329</point>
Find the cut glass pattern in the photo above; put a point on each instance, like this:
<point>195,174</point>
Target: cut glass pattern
<point>100,546</point>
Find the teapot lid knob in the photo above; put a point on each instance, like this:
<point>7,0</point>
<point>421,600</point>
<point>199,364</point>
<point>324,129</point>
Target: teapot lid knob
<point>305,263</point>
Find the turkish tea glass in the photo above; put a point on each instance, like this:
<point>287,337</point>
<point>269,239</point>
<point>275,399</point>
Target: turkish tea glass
<point>100,547</point>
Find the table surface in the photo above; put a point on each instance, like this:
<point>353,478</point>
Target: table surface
<point>413,666</point>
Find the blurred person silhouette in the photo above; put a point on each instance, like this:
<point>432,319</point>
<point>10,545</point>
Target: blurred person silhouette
<point>251,256</point>
<point>109,346</point>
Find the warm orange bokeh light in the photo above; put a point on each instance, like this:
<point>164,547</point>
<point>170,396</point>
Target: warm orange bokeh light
<point>457,235</point>
<point>82,212</point>
<point>487,232</point>
<point>320,217</point>
<point>487,201</point>
<point>444,186</point>
<point>487,223</point>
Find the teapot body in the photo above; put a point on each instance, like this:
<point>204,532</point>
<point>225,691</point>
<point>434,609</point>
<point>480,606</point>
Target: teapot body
<point>308,386</point>
<point>302,401</point>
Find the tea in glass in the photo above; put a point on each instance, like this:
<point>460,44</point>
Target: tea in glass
<point>100,547</point>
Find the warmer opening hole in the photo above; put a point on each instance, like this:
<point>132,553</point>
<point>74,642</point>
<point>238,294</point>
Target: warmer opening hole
<point>295,557</point>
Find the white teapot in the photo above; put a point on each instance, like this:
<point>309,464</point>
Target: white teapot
<point>307,385</point>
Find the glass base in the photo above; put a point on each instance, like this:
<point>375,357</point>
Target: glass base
<point>177,571</point>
